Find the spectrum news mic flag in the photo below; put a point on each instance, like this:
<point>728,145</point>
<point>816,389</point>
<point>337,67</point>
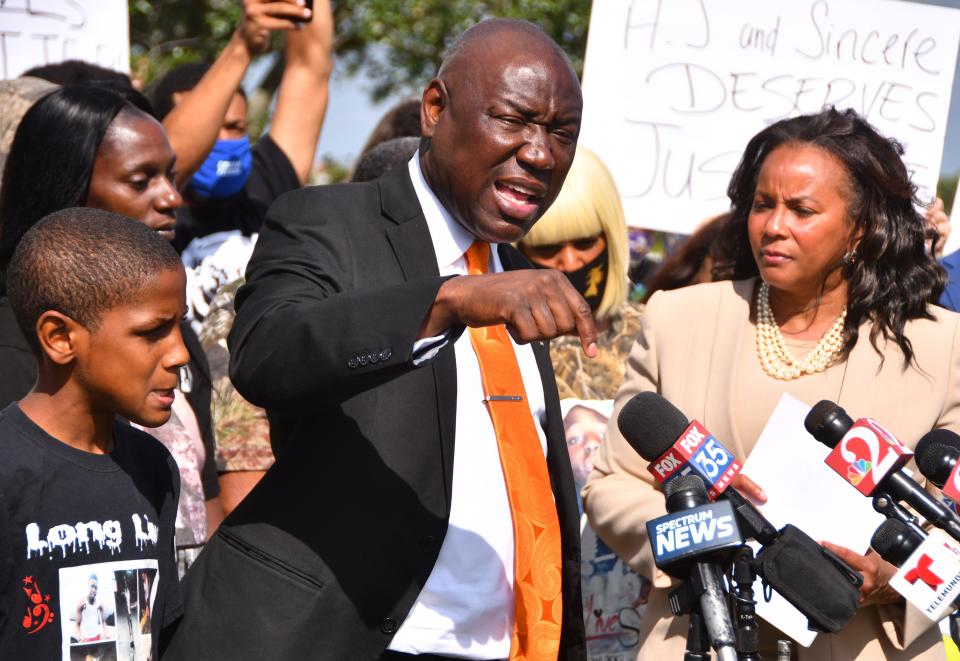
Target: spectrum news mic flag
<point>693,542</point>
<point>815,581</point>
<point>871,459</point>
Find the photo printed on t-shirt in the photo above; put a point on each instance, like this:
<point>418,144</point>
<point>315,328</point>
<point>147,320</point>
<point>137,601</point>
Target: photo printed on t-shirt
<point>105,610</point>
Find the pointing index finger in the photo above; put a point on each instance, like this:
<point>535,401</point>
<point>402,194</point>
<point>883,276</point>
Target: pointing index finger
<point>583,318</point>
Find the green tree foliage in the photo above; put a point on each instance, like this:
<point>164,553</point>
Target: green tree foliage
<point>167,33</point>
<point>398,44</point>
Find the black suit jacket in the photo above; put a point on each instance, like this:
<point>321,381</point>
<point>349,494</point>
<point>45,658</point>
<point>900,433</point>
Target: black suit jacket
<point>324,559</point>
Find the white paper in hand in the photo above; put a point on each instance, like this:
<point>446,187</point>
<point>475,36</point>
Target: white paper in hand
<point>788,463</point>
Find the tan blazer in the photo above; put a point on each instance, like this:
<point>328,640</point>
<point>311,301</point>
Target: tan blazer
<point>687,351</point>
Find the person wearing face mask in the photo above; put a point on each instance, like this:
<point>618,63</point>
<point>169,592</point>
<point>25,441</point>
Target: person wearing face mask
<point>584,234</point>
<point>227,183</point>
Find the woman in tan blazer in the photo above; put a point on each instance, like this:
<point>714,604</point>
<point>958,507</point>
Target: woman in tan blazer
<point>823,214</point>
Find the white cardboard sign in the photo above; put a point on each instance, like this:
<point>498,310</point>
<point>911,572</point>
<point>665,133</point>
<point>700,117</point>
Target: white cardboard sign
<point>37,32</point>
<point>674,89</point>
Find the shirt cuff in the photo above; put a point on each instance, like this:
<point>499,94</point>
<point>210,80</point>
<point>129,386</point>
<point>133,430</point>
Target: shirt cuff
<point>425,349</point>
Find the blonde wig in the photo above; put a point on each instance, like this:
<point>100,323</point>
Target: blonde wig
<point>589,204</point>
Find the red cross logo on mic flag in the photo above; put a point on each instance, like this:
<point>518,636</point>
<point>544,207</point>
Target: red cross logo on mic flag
<point>922,572</point>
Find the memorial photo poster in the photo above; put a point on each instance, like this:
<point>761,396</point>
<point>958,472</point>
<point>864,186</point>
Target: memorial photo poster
<point>614,596</point>
<point>673,90</point>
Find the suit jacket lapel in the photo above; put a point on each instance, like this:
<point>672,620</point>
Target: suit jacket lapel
<point>408,234</point>
<point>860,394</point>
<point>511,258</point>
<point>732,308</point>
<point>410,239</point>
<point>558,461</point>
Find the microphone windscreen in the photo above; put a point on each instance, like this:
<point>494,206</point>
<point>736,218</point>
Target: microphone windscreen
<point>651,424</point>
<point>936,453</point>
<point>895,541</point>
<point>827,422</point>
<point>687,482</point>
<point>685,492</point>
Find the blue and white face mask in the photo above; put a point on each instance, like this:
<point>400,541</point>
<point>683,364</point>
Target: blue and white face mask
<point>226,169</point>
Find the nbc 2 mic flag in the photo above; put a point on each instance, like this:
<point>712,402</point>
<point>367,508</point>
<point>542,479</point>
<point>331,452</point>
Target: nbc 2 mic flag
<point>866,455</point>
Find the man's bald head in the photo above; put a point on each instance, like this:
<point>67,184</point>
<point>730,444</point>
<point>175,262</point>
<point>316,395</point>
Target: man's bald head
<point>500,124</point>
<point>482,42</point>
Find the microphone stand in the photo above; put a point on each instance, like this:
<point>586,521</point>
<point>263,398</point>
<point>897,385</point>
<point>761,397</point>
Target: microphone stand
<point>685,600</point>
<point>744,605</point>
<point>890,508</point>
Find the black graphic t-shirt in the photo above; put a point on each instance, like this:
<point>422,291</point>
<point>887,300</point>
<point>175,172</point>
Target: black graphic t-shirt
<point>87,568</point>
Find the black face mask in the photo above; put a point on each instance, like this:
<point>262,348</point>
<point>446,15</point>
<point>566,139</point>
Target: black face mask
<point>591,280</point>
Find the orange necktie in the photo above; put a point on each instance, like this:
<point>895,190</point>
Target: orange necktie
<point>536,529</point>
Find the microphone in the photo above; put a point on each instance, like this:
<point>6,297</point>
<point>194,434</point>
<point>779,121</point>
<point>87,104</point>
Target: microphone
<point>870,458</point>
<point>929,567</point>
<point>695,451</point>
<point>895,541</point>
<point>660,433</point>
<point>693,529</point>
<point>937,454</point>
<point>864,453</point>
<point>689,542</point>
<point>824,588</point>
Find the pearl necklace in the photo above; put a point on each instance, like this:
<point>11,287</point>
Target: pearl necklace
<point>776,359</point>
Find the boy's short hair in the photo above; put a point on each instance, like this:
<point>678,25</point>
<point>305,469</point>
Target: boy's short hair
<point>82,262</point>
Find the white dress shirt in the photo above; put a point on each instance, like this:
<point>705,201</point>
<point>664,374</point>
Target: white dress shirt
<point>466,607</point>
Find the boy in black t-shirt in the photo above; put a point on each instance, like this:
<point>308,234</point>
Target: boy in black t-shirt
<point>87,503</point>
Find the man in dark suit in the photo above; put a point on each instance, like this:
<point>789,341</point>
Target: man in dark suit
<point>385,529</point>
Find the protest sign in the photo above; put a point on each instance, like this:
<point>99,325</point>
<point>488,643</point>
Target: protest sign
<point>673,90</point>
<point>37,32</point>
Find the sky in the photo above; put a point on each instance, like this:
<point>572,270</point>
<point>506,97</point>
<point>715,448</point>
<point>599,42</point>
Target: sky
<point>351,115</point>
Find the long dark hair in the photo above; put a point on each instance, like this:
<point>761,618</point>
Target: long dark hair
<point>891,278</point>
<point>52,155</point>
<point>683,266</point>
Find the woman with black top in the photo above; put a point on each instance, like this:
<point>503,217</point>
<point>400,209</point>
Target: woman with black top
<point>86,145</point>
